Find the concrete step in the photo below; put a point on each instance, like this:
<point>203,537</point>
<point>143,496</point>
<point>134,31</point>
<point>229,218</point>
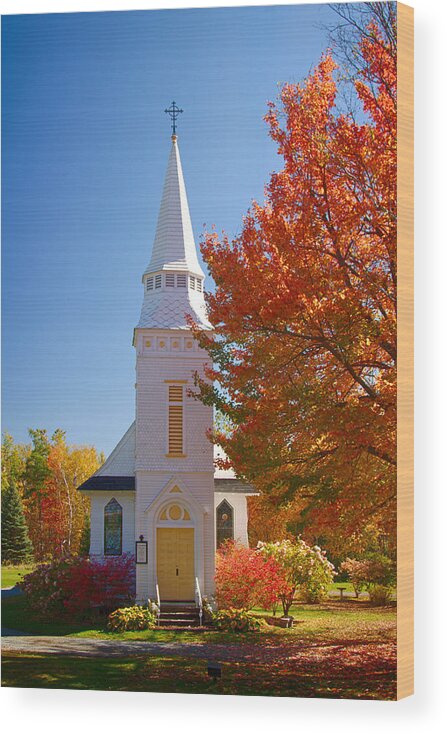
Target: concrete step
<point>179,614</point>
<point>179,619</point>
<point>179,608</point>
<point>187,612</point>
<point>178,622</point>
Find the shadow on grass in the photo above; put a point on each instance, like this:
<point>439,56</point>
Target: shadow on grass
<point>370,680</point>
<point>17,615</point>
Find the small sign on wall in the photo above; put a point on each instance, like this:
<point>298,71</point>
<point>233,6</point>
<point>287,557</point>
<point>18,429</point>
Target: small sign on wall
<point>141,550</point>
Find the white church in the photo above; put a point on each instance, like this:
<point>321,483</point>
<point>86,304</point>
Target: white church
<point>159,495</point>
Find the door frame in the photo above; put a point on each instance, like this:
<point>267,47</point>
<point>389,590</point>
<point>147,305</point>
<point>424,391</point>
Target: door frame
<point>197,513</point>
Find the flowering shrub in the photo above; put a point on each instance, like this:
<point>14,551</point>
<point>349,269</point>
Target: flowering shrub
<point>76,586</point>
<point>236,620</point>
<point>375,572</point>
<point>131,618</point>
<point>357,571</point>
<point>246,578</point>
<point>306,570</point>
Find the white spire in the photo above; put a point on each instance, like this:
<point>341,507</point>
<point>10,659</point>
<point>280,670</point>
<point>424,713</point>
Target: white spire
<point>173,281</point>
<point>174,247</point>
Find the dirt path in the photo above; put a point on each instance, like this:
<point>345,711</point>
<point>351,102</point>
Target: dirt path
<point>90,647</point>
<point>317,653</point>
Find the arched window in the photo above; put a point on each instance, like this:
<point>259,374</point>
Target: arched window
<point>174,513</point>
<point>224,523</point>
<point>113,528</point>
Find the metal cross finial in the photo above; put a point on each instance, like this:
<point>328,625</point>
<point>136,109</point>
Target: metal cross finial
<point>173,112</point>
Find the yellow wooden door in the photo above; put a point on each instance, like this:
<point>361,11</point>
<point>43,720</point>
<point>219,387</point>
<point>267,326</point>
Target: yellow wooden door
<point>175,563</point>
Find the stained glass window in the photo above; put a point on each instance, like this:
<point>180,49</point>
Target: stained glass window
<point>113,528</point>
<point>224,523</point>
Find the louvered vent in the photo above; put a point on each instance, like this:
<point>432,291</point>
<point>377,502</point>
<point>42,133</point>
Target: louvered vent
<point>199,284</point>
<point>158,281</point>
<point>175,394</point>
<point>175,432</point>
<point>181,281</point>
<point>149,284</point>
<point>192,282</point>
<point>170,280</point>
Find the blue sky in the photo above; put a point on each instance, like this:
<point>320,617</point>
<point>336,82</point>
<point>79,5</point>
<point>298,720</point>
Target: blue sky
<point>85,147</point>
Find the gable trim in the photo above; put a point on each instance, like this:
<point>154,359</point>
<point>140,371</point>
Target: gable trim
<point>166,491</point>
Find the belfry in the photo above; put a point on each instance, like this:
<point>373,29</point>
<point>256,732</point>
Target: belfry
<point>158,494</point>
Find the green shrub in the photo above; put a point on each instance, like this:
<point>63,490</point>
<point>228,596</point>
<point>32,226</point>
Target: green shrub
<point>379,594</point>
<point>375,572</point>
<point>382,570</point>
<point>236,620</point>
<point>131,618</point>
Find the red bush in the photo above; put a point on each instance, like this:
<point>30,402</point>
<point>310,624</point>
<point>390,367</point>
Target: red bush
<point>76,586</point>
<point>246,578</point>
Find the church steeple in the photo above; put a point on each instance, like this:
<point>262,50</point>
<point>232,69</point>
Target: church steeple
<point>174,247</point>
<point>173,281</point>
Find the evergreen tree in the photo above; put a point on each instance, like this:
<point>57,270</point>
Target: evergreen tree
<point>16,545</point>
<point>35,477</point>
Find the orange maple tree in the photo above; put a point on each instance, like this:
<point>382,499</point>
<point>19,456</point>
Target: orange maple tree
<point>50,472</point>
<point>304,311</point>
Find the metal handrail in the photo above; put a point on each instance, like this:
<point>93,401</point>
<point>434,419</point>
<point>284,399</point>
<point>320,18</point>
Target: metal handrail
<point>199,601</point>
<point>157,591</point>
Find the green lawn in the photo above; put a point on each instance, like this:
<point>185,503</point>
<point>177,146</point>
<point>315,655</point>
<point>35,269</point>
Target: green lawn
<point>347,585</point>
<point>349,589</point>
<point>338,649</point>
<point>348,620</point>
<point>12,574</point>
<point>189,675</point>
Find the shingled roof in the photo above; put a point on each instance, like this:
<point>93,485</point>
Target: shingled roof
<point>109,484</point>
<point>174,251</point>
<point>127,484</point>
<point>174,247</point>
<point>118,471</point>
<point>233,485</point>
